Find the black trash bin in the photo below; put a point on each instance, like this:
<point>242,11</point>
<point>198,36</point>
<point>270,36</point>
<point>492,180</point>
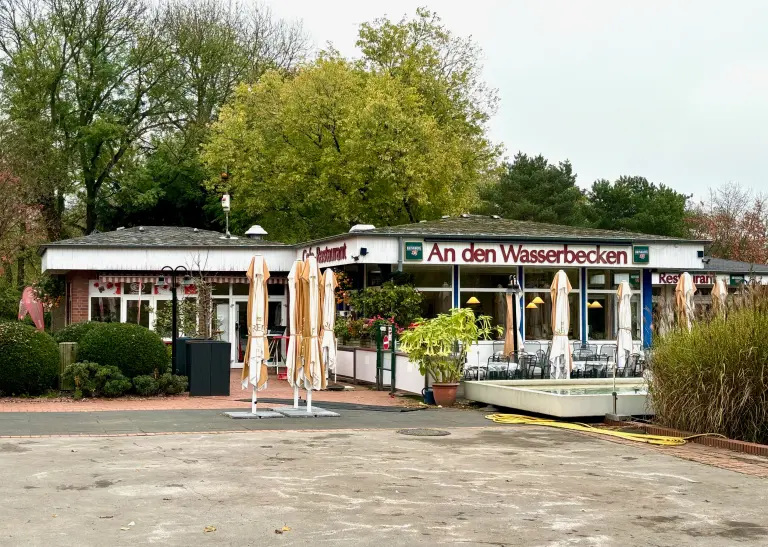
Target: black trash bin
<point>207,367</point>
<point>180,366</point>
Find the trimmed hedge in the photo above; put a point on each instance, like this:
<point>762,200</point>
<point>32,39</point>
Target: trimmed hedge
<point>29,360</point>
<point>94,380</point>
<point>133,349</point>
<point>76,331</point>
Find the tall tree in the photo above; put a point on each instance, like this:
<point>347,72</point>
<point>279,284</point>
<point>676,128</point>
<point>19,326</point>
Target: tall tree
<point>634,204</point>
<point>735,220</point>
<point>93,76</point>
<point>531,188</point>
<point>216,45</point>
<point>337,145</point>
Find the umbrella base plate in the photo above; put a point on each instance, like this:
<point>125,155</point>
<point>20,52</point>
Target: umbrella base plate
<point>301,412</point>
<point>258,415</point>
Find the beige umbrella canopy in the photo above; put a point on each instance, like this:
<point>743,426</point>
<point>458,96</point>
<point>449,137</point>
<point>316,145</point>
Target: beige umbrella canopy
<point>512,327</point>
<point>684,292</point>
<point>719,295</point>
<point>311,353</point>
<point>328,337</point>
<point>292,361</point>
<point>624,336</point>
<point>257,348</point>
<point>560,354</point>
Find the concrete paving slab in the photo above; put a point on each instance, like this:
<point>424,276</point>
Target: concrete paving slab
<point>302,412</point>
<point>258,415</point>
<point>512,485</point>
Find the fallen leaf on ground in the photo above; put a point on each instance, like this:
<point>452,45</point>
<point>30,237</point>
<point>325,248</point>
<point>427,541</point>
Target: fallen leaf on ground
<point>209,529</point>
<point>286,529</point>
<point>131,523</point>
<point>124,528</point>
<point>106,517</point>
<point>54,515</point>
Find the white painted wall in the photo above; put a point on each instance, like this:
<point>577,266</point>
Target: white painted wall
<point>154,259</point>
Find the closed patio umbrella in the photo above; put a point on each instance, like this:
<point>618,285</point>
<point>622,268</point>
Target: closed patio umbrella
<point>560,354</point>
<point>292,359</point>
<point>328,337</point>
<point>512,328</point>
<point>684,292</point>
<point>719,294</point>
<point>257,348</point>
<point>624,336</point>
<point>311,353</point>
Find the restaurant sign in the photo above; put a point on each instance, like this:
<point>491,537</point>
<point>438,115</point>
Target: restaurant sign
<point>673,278</point>
<point>548,255</point>
<point>641,254</point>
<point>414,250</point>
<point>328,254</point>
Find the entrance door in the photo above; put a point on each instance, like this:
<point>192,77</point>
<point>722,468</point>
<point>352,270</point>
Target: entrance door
<point>138,311</point>
<point>240,328</point>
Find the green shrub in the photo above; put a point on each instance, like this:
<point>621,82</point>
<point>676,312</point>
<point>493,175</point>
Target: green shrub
<point>714,379</point>
<point>29,360</point>
<point>76,331</point>
<point>9,302</point>
<point>131,348</point>
<point>401,302</point>
<point>94,380</point>
<point>145,385</point>
<point>172,384</point>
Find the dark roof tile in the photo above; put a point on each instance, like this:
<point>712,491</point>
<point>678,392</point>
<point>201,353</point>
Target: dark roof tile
<point>161,236</point>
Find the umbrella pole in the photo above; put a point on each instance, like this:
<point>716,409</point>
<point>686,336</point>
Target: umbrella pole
<point>309,400</point>
<point>254,399</point>
<point>296,395</point>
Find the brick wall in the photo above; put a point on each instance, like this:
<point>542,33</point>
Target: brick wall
<point>79,295</point>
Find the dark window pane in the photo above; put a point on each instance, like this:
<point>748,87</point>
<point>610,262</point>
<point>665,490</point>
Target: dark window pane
<point>105,309</point>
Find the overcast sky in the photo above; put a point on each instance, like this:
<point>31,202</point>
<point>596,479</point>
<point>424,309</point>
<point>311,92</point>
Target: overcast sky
<point>673,91</point>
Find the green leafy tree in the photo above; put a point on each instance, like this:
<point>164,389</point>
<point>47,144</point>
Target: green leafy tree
<point>635,205</point>
<point>337,145</point>
<point>531,188</point>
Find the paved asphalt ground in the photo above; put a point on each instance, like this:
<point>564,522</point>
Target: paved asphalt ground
<point>483,484</point>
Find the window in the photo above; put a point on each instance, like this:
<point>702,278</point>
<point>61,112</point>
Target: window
<point>603,305</point>
<point>275,289</point>
<point>136,313</point>
<point>541,278</point>
<point>538,315</point>
<point>105,309</point>
<point>434,277</point>
<point>220,289</point>
<point>133,288</point>
<point>491,303</point>
<point>484,278</point>
<point>435,302</point>
<point>240,289</point>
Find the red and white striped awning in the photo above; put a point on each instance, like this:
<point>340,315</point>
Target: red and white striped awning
<point>122,278</point>
<point>148,278</point>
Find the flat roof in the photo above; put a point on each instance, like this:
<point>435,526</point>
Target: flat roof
<point>480,227</point>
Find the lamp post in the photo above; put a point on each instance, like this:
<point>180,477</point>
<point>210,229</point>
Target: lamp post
<point>174,305</point>
<point>513,288</point>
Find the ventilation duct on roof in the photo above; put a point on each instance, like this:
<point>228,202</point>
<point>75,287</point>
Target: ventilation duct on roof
<point>361,228</point>
<point>256,232</point>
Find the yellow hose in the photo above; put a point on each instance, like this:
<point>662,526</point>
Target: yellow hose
<point>517,419</point>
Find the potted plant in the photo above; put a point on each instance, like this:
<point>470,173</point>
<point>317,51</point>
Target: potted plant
<point>440,345</point>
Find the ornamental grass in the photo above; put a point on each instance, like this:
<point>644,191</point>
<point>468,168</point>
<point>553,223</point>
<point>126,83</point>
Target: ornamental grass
<point>714,379</point>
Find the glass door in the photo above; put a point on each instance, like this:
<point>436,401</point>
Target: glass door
<point>240,338</point>
<point>138,311</point>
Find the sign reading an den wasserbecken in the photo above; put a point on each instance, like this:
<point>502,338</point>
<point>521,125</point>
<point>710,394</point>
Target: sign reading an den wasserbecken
<point>414,250</point>
<point>640,254</point>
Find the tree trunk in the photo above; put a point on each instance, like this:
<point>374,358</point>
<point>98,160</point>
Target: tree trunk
<point>8,274</point>
<point>20,274</point>
<point>90,206</point>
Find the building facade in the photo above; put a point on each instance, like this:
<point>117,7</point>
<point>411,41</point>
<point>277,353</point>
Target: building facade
<point>115,276</point>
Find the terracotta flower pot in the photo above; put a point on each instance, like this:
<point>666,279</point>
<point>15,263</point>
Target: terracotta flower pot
<point>445,394</point>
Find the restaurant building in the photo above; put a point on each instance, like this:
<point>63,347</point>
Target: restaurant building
<point>114,276</point>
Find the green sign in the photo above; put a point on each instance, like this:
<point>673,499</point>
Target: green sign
<point>640,254</point>
<point>634,280</point>
<point>737,280</point>
<point>414,250</point>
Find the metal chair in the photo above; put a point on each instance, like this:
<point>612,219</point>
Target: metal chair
<point>529,363</point>
<point>609,350</point>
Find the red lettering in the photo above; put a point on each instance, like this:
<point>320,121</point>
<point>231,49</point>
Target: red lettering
<point>509,254</point>
<point>560,254</point>
<point>532,257</point>
<point>450,255</point>
<point>551,256</point>
<point>435,252</point>
<point>610,256</point>
<point>468,255</point>
<point>592,257</point>
<point>581,257</point>
<point>621,257</point>
<point>490,255</point>
<point>479,255</point>
<point>570,256</point>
